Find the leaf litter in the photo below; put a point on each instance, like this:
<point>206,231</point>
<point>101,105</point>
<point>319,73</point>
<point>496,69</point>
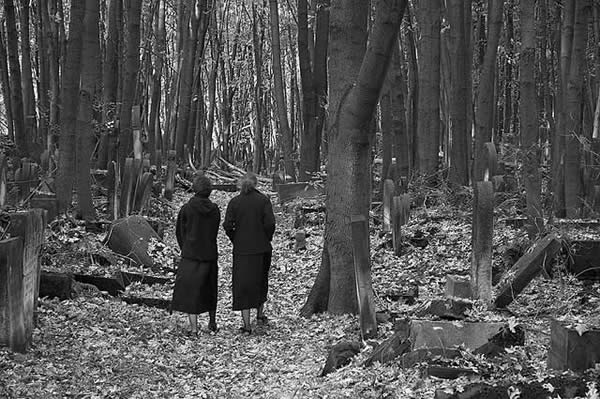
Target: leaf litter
<point>96,346</point>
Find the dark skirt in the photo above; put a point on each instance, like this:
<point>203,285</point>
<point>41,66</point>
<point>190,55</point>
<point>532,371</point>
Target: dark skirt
<point>250,280</point>
<point>195,289</point>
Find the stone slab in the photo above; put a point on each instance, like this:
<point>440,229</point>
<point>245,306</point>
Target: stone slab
<point>13,332</point>
<point>287,192</point>
<point>570,350</point>
<point>446,334</point>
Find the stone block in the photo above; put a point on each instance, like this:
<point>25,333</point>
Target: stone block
<point>584,259</point>
<point>458,287</point>
<point>570,350</point>
<point>446,334</point>
<point>13,315</point>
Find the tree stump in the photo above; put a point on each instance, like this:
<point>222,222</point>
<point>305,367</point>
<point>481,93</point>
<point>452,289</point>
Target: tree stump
<point>362,273</point>
<point>171,170</point>
<point>525,270</point>
<point>570,350</point>
<point>130,237</point>
<point>483,230</point>
<point>400,215</point>
<point>388,198</point>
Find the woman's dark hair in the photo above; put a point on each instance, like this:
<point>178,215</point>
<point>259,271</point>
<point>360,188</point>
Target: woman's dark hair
<point>248,182</point>
<point>202,186</point>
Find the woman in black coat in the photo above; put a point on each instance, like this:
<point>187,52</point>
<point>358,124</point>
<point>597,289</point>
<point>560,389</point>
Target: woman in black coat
<point>197,226</point>
<point>250,225</point>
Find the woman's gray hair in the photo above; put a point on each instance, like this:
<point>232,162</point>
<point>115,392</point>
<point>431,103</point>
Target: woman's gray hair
<point>202,185</point>
<point>248,182</point>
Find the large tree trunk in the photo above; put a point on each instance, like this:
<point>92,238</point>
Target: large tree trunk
<point>459,104</point>
<point>257,44</point>
<point>69,106</point>
<point>43,87</point>
<point>574,111</point>
<point>90,65</point>
<point>529,119</point>
<point>16,98</point>
<point>401,145</point>
<point>27,84</point>
<point>284,127</point>
<point>130,76</point>
<point>350,141</point>
<point>320,70</point>
<point>428,143</point>
<point>154,126</point>
<point>484,113</point>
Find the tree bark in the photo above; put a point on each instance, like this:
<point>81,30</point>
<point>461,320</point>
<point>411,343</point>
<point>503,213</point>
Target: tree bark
<point>257,42</point>
<point>529,119</point>
<point>349,162</point>
<point>428,133</point>
<point>16,95</point>
<point>401,146</point>
<point>69,107</point>
<point>286,134</point>
<point>154,127</point>
<point>484,113</point>
<point>5,84</point>
<point>320,72</point>
<point>27,83</point>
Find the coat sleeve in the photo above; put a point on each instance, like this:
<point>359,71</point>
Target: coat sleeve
<point>180,228</point>
<point>229,222</point>
<point>269,219</point>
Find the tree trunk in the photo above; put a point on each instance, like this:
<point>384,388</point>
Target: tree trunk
<point>257,43</point>
<point>413,92</point>
<point>529,119</point>
<point>16,94</point>
<point>484,114</point>
<point>5,84</point>
<point>574,111</point>
<point>320,71</point>
<point>351,137</point>
<point>69,107</point>
<point>110,83</point>
<point>154,126</point>
<point>428,132</point>
<point>43,87</point>
<point>460,74</point>
<point>90,65</point>
<point>129,83</point>
<point>27,83</point>
<point>286,134</point>
<point>309,149</point>
<point>401,144</point>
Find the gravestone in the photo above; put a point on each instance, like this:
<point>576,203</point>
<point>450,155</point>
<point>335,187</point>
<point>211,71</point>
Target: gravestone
<point>289,191</point>
<point>45,198</point>
<point>452,334</point>
<point>458,287</point>
<point>526,269</point>
<point>130,237</point>
<point>3,179</point>
<point>171,170</point>
<point>400,215</point>
<point>26,178</point>
<point>127,187</point>
<point>388,198</point>
<point>491,161</point>
<point>143,191</point>
<point>483,230</point>
<point>570,350</point>
<point>584,259</point>
<point>12,299</point>
<point>362,273</point>
<point>300,240</point>
<point>112,182</point>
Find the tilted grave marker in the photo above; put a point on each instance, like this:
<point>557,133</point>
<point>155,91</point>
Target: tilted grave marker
<point>171,170</point>
<point>483,230</point>
<point>12,306</point>
<point>113,183</point>
<point>388,198</point>
<point>362,272</point>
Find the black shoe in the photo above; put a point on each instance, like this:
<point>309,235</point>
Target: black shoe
<point>245,330</point>
<point>262,320</point>
<point>212,326</point>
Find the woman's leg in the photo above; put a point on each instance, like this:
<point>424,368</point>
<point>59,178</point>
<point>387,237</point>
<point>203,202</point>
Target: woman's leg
<point>193,323</point>
<point>246,319</point>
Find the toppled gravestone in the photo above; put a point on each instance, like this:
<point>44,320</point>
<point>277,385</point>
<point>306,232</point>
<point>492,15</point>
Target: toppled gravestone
<point>129,236</point>
<point>340,355</point>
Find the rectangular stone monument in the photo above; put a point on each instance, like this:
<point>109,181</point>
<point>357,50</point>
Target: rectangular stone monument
<point>570,350</point>
<point>12,307</point>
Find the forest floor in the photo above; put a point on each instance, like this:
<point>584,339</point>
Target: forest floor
<point>97,346</point>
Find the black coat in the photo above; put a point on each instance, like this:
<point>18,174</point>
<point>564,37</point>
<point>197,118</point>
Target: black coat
<point>197,228</point>
<point>250,223</point>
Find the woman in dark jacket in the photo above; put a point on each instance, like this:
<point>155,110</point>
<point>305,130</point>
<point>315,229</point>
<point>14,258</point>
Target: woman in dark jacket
<point>250,225</point>
<point>196,230</point>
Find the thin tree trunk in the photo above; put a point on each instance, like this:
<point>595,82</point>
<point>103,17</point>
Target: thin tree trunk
<point>257,42</point>
<point>27,83</point>
<point>286,134</point>
<point>401,145</point>
<point>16,100</point>
<point>43,87</point>
<point>154,126</point>
<point>484,117</point>
<point>70,106</point>
<point>320,73</point>
<point>529,119</point>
